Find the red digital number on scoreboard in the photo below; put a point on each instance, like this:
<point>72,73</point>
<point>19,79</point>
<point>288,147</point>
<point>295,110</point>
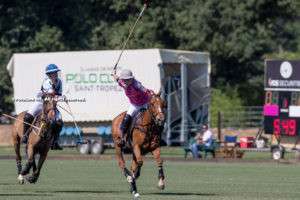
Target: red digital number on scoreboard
<point>286,126</point>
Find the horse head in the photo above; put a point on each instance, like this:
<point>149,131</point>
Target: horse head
<point>157,106</point>
<point>48,112</point>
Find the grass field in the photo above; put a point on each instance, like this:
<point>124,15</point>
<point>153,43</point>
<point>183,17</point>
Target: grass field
<point>101,179</point>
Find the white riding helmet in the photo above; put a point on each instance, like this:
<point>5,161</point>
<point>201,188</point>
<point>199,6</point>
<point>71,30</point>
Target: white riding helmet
<point>126,74</point>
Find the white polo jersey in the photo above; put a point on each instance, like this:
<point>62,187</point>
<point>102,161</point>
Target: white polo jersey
<point>49,87</point>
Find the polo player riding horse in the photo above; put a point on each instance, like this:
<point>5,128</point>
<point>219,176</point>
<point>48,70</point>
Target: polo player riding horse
<point>51,89</point>
<point>52,85</point>
<point>144,134</point>
<point>41,133</point>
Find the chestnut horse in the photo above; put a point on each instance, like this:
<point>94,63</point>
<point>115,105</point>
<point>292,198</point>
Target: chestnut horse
<point>38,142</point>
<point>144,137</point>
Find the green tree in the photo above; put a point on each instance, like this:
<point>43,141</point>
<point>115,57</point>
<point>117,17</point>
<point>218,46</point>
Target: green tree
<point>47,39</point>
<point>151,32</point>
<point>6,90</point>
<point>237,34</point>
<point>224,102</point>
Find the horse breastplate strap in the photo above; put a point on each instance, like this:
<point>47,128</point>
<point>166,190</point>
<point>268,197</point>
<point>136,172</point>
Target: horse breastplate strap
<point>143,129</point>
<point>142,126</point>
<point>136,117</point>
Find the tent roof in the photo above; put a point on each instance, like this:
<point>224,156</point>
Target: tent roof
<point>167,56</point>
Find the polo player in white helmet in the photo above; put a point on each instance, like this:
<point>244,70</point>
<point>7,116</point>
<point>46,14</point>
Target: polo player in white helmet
<point>138,95</point>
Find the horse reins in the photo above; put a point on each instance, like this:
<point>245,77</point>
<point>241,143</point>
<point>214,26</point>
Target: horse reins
<point>11,117</point>
<point>143,128</point>
<point>160,112</point>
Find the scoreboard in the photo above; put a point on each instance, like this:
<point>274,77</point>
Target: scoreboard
<point>282,98</point>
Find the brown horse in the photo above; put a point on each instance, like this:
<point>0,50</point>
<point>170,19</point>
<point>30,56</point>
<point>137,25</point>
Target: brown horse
<point>144,137</point>
<point>38,142</point>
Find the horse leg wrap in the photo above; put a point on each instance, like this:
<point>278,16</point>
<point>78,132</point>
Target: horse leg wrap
<point>36,176</point>
<point>126,172</point>
<point>33,166</point>
<point>27,168</point>
<point>140,163</point>
<point>161,173</point>
<point>133,188</point>
<point>137,172</point>
<point>19,166</point>
<point>33,178</point>
<point>128,175</point>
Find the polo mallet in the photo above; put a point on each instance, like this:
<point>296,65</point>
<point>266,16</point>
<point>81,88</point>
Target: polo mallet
<point>22,121</point>
<point>80,140</point>
<point>146,4</point>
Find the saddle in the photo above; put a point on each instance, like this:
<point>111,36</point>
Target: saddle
<point>137,115</point>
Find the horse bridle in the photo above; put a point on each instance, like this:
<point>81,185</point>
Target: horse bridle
<point>51,109</point>
<point>153,117</point>
<point>45,118</point>
<point>143,128</point>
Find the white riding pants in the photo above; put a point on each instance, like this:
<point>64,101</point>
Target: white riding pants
<point>133,109</point>
<point>37,108</point>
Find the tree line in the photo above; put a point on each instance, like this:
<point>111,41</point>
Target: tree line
<point>239,35</point>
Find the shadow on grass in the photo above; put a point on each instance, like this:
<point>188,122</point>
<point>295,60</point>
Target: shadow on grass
<point>24,195</point>
<point>84,191</point>
<point>8,184</point>
<point>180,194</point>
<point>125,192</point>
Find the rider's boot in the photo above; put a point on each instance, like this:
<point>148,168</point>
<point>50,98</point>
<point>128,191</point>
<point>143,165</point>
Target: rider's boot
<point>124,128</point>
<point>56,128</point>
<point>28,118</point>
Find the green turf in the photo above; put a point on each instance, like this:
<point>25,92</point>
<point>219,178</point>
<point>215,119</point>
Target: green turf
<point>166,151</point>
<point>96,179</point>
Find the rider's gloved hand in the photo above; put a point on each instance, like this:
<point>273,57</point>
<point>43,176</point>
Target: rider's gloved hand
<point>114,74</point>
<point>64,98</point>
<point>150,92</point>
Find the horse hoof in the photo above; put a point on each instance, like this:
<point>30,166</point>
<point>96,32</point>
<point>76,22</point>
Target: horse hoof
<point>136,196</point>
<point>129,179</point>
<point>21,179</point>
<point>31,179</point>
<point>161,184</point>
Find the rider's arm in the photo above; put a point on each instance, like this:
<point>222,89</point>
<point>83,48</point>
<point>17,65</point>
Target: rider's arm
<point>142,88</point>
<point>47,88</point>
<point>59,92</point>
